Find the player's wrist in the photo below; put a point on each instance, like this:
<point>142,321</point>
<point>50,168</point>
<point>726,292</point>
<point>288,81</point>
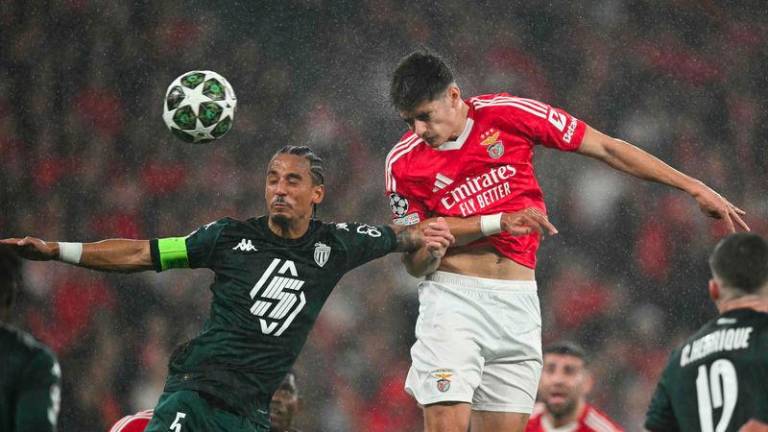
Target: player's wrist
<point>490,224</point>
<point>69,252</point>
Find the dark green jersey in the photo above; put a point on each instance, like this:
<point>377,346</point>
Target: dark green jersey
<point>718,380</point>
<point>267,293</point>
<point>29,383</point>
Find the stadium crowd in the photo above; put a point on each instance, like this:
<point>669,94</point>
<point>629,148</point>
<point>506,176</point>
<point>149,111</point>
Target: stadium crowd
<point>84,155</point>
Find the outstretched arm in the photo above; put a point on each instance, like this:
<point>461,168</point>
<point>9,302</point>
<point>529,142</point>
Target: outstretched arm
<point>627,158</point>
<point>108,255</point>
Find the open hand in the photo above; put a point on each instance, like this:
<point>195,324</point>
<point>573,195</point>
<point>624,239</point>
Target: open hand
<point>32,248</point>
<point>714,205</point>
<point>526,221</point>
<point>438,238</point>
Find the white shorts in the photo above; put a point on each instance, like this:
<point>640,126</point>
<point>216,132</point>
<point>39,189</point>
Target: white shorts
<point>478,341</point>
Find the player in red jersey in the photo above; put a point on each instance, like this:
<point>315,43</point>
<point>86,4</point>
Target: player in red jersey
<point>477,357</point>
<point>565,384</point>
<point>285,404</point>
<point>133,423</point>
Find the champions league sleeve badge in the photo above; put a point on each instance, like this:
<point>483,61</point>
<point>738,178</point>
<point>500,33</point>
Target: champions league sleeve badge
<point>398,204</point>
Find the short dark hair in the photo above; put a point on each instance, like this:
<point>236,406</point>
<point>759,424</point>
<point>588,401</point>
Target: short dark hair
<point>419,77</point>
<point>567,348</point>
<point>10,276</point>
<point>316,169</point>
<point>741,262</point>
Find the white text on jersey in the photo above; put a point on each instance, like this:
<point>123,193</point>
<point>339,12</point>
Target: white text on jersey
<point>720,340</point>
<point>478,192</point>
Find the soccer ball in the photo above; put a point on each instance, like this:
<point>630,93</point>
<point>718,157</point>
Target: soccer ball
<point>199,106</point>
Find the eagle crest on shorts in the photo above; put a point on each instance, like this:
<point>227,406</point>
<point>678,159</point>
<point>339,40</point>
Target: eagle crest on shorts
<point>443,379</point>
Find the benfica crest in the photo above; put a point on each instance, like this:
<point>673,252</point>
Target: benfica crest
<point>443,379</point>
<point>322,253</point>
<point>493,144</point>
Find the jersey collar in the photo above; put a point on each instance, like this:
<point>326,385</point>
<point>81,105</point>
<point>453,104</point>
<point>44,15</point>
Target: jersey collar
<point>455,145</point>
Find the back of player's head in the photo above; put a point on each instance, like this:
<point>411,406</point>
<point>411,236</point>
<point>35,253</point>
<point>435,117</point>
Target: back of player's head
<point>316,169</point>
<point>419,77</point>
<point>740,261</point>
<point>567,348</point>
<point>10,276</point>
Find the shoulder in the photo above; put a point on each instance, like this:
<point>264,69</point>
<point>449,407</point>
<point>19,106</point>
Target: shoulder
<point>599,421</point>
<point>505,104</point>
<point>14,339</point>
<point>344,230</point>
<point>133,423</point>
<point>398,157</point>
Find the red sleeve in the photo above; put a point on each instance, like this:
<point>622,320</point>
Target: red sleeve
<point>132,423</point>
<point>545,125</point>
<point>406,209</point>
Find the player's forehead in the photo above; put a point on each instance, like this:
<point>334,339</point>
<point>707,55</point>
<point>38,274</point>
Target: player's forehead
<point>422,108</point>
<point>285,164</point>
<point>563,360</point>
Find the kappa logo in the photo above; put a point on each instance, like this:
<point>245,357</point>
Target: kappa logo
<point>492,143</point>
<point>245,245</point>
<point>322,253</point>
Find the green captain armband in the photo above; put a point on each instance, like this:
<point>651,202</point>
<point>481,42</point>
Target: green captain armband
<point>171,253</point>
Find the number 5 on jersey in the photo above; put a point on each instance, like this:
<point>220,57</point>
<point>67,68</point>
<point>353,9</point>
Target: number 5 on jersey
<point>281,300</point>
<point>176,425</point>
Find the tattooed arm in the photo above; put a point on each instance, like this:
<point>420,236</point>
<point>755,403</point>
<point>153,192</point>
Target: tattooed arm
<point>423,248</point>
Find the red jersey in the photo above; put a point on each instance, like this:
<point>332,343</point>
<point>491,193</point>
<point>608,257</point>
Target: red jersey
<point>487,170</point>
<point>133,423</point>
<point>590,420</point>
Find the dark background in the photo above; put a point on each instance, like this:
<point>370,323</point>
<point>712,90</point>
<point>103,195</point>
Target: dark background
<point>84,155</point>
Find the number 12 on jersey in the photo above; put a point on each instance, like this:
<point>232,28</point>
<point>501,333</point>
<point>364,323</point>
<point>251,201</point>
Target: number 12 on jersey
<point>717,389</point>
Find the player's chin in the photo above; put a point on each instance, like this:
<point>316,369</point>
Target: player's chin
<point>281,216</point>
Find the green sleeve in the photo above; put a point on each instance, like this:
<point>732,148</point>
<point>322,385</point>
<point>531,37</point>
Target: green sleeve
<point>660,416</point>
<point>38,402</point>
<point>364,243</point>
<point>193,251</point>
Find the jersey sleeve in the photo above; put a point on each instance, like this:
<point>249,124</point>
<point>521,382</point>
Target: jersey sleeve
<point>38,401</point>
<point>546,125</point>
<point>406,210</point>
<point>193,251</point>
<point>660,416</point>
<point>363,243</point>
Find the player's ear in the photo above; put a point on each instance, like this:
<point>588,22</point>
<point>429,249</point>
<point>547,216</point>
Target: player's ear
<point>589,382</point>
<point>714,290</point>
<point>318,194</point>
<point>454,94</point>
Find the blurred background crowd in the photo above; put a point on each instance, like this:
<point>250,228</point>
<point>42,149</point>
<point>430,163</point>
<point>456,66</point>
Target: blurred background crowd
<point>84,155</point>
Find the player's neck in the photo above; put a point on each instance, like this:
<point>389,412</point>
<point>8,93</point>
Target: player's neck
<point>569,418</point>
<point>290,229</point>
<point>463,116</point>
<point>750,301</point>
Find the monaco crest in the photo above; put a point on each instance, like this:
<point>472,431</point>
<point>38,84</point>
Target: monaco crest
<point>322,253</point>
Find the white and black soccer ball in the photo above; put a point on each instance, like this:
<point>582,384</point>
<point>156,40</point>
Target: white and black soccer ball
<point>398,204</point>
<point>199,106</point>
